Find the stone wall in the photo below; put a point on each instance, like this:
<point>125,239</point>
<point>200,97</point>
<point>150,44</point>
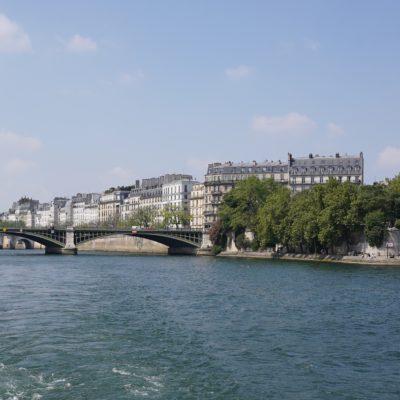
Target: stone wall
<point>123,243</point>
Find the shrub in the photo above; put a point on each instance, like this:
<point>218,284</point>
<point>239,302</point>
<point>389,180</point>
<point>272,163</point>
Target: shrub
<point>216,249</point>
<point>240,241</point>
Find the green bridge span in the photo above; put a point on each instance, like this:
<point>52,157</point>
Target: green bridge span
<point>66,240</point>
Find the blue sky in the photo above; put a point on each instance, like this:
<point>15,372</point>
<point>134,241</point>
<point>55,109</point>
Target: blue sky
<point>95,94</point>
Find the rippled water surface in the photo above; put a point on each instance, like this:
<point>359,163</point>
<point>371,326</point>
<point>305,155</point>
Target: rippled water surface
<point>129,327</point>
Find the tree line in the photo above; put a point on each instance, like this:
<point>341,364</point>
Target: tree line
<point>318,219</point>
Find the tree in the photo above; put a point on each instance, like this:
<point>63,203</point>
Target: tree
<point>239,207</point>
<point>337,220</point>
<point>375,228</point>
<point>271,218</point>
<point>144,217</point>
<point>301,222</point>
<point>393,194</point>
<point>175,215</point>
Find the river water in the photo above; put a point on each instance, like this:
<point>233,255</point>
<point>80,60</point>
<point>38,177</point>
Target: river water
<point>131,327</point>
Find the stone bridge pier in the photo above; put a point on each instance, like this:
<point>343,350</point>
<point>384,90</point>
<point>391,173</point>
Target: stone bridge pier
<point>68,249</point>
<point>7,242</point>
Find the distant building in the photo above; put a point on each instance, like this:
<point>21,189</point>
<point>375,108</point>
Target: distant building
<point>158,192</point>
<point>176,195</point>
<point>48,214</point>
<point>110,206</point>
<point>131,204</point>
<point>23,211</point>
<point>65,214</point>
<point>304,172</point>
<point>85,209</point>
<point>221,178</point>
<point>197,206</point>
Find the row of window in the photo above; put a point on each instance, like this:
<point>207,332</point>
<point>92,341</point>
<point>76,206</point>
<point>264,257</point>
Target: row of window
<point>330,170</point>
<point>235,178</point>
<point>248,170</point>
<point>322,179</point>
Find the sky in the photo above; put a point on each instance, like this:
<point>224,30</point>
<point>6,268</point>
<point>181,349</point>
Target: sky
<point>99,94</point>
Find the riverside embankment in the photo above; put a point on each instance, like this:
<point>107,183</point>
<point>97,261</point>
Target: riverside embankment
<point>364,260</point>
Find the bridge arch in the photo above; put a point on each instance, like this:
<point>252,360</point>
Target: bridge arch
<point>43,237</point>
<point>28,243</point>
<point>178,242</point>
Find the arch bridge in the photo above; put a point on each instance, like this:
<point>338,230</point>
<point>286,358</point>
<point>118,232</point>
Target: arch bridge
<point>66,240</point>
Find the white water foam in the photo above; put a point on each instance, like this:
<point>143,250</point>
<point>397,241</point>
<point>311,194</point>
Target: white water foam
<point>137,392</point>
<point>120,372</point>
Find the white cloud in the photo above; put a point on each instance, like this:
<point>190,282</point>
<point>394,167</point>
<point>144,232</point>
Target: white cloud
<point>130,78</point>
<point>389,159</point>
<point>11,139</point>
<point>18,166</point>
<point>334,130</point>
<point>240,72</point>
<point>313,45</point>
<point>13,39</point>
<point>80,44</point>
<point>290,124</point>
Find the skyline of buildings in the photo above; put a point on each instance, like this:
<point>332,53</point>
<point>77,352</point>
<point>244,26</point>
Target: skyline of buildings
<point>180,192</point>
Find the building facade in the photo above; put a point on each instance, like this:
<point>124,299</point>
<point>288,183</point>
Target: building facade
<point>304,172</point>
<point>221,178</point>
<point>197,206</point>
<point>110,206</point>
<point>158,193</point>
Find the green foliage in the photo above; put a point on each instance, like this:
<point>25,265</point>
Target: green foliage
<point>393,195</point>
<point>337,219</point>
<point>241,242</point>
<point>144,217</point>
<point>7,224</point>
<point>375,228</point>
<point>239,207</point>
<point>175,216</point>
<point>216,249</point>
<point>271,225</point>
<point>322,217</point>
<point>254,245</point>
